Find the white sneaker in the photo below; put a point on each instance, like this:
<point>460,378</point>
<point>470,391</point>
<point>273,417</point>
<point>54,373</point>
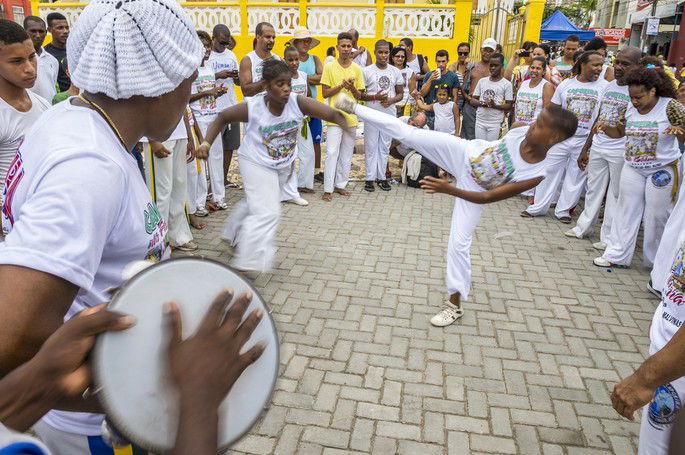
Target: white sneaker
<point>345,103</point>
<point>221,205</point>
<point>599,246</point>
<point>571,233</point>
<point>447,315</point>
<point>298,201</point>
<point>601,262</point>
<point>201,211</point>
<point>651,289</point>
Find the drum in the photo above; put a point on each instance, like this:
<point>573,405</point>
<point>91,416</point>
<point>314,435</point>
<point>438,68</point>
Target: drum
<point>130,367</point>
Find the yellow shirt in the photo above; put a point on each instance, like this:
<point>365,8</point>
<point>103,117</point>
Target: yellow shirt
<point>333,75</point>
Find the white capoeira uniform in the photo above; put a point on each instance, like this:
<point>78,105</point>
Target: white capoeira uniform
<point>266,158</point>
<point>477,165</point>
<point>659,415</point>
<point>197,175</point>
<point>648,182</point>
<point>668,246</point>
<point>605,165</point>
<point>581,98</point>
<point>528,106</point>
<point>377,144</point>
<point>305,143</point>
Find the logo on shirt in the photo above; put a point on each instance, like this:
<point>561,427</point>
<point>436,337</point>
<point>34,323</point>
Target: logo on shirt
<point>14,175</point>
<point>155,226</point>
<point>661,178</point>
<point>664,407</point>
<point>383,83</point>
<point>642,138</point>
<point>675,284</point>
<point>280,139</point>
<point>582,102</point>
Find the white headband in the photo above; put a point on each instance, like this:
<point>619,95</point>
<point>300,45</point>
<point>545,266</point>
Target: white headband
<point>124,48</point>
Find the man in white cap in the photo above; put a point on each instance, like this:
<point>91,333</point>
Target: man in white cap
<point>471,77</point>
<point>76,210</point>
<point>251,64</point>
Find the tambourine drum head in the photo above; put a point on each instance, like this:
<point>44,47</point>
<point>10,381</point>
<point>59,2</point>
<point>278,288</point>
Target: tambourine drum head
<point>131,367</point>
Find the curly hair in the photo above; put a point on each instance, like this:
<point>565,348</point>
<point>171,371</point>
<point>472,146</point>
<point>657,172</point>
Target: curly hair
<point>650,78</point>
<point>273,68</point>
<point>582,59</point>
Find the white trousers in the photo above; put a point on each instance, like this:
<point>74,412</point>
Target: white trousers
<point>289,190</point>
<point>668,246</point>
<point>376,152</point>
<point>339,149</point>
<point>62,443</point>
<point>254,220</point>
<point>450,153</point>
<point>305,153</point>
<point>487,132</point>
<point>603,177</point>
<point>644,195</point>
<point>215,163</point>
<point>197,184</point>
<point>562,169</point>
<point>167,181</point>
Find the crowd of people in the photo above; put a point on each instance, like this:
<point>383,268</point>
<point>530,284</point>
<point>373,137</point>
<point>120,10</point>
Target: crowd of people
<point>131,157</point>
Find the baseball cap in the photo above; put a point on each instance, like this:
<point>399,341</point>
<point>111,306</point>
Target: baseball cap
<point>490,42</point>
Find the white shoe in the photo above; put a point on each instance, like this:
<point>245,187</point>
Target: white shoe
<point>345,103</point>
<point>651,289</point>
<point>601,262</point>
<point>221,205</point>
<point>298,201</point>
<point>571,233</point>
<point>599,246</point>
<point>447,315</point>
<point>201,211</point>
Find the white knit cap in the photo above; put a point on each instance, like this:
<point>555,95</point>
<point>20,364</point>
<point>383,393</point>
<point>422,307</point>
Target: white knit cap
<point>124,48</point>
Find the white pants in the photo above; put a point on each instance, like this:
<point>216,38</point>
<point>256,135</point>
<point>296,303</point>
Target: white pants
<point>487,132</point>
<point>289,190</point>
<point>305,153</point>
<point>167,181</point>
<point>644,195</point>
<point>376,152</point>
<point>215,163</point>
<point>62,443</point>
<point>254,220</point>
<point>197,184</point>
<point>562,169</point>
<point>668,246</point>
<point>339,149</point>
<point>603,177</point>
<point>450,153</point>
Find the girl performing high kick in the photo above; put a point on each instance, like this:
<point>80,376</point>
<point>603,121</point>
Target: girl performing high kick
<point>485,172</point>
<point>273,120</point>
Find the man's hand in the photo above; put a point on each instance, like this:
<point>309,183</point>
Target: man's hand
<point>159,150</point>
<point>631,394</point>
<point>582,160</point>
<point>61,361</point>
<point>436,185</point>
<point>415,94</point>
<point>348,84</point>
<point>206,365</point>
<point>202,151</point>
<point>435,75</point>
<point>223,74</point>
<point>190,150</point>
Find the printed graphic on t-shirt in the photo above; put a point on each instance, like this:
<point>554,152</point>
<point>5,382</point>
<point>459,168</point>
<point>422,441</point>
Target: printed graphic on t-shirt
<point>641,141</point>
<point>203,83</point>
<point>299,87</point>
<point>490,95</point>
<point>14,175</point>
<point>526,103</point>
<point>383,83</point>
<point>280,139</point>
<point>612,109</point>
<point>564,69</point>
<point>675,284</point>
<point>582,102</point>
<point>157,227</point>
<point>493,167</point>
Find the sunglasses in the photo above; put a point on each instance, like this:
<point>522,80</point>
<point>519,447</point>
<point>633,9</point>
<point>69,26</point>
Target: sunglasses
<point>463,53</point>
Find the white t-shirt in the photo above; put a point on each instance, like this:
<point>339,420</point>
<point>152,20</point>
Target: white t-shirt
<point>258,64</point>
<point>46,79</point>
<point>361,58</point>
<point>581,98</point>
<point>444,117</point>
<point>328,59</point>
<point>76,207</point>
<point>499,92</point>
<point>646,145</point>
<point>271,141</point>
<point>205,109</point>
<point>220,61</point>
<point>612,110</point>
<point>407,74</point>
<point>299,84</point>
<point>379,80</point>
<point>13,126</point>
<point>414,64</point>
<point>528,102</point>
<point>670,314</point>
<point>495,163</point>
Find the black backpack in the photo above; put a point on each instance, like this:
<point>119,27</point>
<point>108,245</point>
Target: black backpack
<point>427,169</point>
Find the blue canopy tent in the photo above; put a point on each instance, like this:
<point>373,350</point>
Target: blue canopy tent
<point>557,27</point>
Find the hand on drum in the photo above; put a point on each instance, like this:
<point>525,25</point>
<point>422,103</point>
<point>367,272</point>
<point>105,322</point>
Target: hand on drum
<point>206,365</point>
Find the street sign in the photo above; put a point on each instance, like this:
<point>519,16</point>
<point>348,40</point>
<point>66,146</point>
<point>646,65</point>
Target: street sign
<point>652,26</point>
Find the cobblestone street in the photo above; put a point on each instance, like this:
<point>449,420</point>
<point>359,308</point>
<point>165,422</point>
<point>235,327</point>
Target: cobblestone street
<point>528,369</point>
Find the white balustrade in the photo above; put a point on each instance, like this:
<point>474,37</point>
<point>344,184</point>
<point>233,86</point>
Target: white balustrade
<point>206,17</point>
<point>420,23</point>
<point>329,21</point>
<point>284,18</point>
<point>71,13</point>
